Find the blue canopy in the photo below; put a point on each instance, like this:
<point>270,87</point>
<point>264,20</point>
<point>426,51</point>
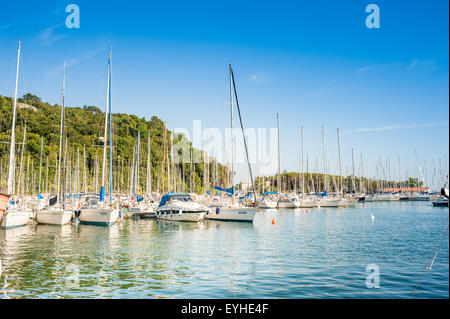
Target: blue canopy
<point>226,190</point>
<point>267,193</point>
<point>246,196</point>
<point>321,194</point>
<point>169,196</point>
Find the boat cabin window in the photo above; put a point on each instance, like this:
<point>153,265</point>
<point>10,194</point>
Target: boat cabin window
<point>182,199</point>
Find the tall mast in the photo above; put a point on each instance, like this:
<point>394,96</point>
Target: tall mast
<point>12,152</point>
<point>361,181</point>
<point>232,132</point>
<point>339,158</point>
<point>61,133</point>
<point>77,174</point>
<point>278,145</point>
<point>138,161</point>
<point>149,172</point>
<point>262,165</point>
<point>62,146</point>
<point>172,163</point>
<point>243,137</point>
<point>324,161</point>
<point>84,170</point>
<point>20,189</point>
<point>353,171</point>
<point>40,168</point>
<point>303,175</point>
<point>136,165</point>
<point>110,136</point>
<point>106,129</point>
<point>169,181</point>
<point>131,179</point>
<point>46,179</point>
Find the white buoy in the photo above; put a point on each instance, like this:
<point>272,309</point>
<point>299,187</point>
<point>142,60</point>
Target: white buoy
<point>372,217</point>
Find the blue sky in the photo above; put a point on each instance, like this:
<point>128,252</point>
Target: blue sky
<point>314,62</point>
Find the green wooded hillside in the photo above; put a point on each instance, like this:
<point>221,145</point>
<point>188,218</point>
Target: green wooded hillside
<point>85,129</point>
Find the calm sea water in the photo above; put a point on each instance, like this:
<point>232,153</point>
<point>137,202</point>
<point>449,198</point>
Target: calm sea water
<point>322,253</point>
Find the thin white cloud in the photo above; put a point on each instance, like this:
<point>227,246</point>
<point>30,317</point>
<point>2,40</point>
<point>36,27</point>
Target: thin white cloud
<point>395,127</point>
<point>363,69</point>
<point>48,35</point>
<point>83,56</point>
<point>60,68</point>
<point>259,78</point>
<point>6,26</point>
<point>428,65</point>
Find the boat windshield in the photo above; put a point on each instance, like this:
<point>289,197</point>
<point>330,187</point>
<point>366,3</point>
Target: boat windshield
<point>182,199</point>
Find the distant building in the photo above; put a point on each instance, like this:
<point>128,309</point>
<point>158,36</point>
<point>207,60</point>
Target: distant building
<point>406,189</point>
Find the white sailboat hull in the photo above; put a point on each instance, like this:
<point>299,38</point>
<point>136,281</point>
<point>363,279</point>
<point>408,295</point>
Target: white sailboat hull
<point>286,204</point>
<point>345,202</point>
<point>383,198</point>
<point>245,214</point>
<point>54,216</point>
<point>15,219</point>
<point>267,204</point>
<point>98,216</point>
<point>183,217</point>
<point>308,203</point>
<point>329,202</point>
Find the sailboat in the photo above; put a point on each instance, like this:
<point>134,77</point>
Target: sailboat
<point>57,214</point>
<point>306,201</point>
<point>325,200</point>
<point>95,211</point>
<point>137,206</point>
<point>11,215</point>
<point>234,211</point>
<point>267,201</point>
<point>284,201</point>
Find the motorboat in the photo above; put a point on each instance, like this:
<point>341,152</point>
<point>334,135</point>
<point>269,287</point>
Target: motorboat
<point>443,202</point>
<point>180,207</point>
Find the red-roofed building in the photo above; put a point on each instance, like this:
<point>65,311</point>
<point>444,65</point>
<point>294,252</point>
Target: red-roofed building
<point>406,189</point>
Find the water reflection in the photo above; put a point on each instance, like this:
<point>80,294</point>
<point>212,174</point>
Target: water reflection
<point>305,253</point>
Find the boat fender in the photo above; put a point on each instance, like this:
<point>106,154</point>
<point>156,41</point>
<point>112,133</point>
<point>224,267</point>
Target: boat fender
<point>217,210</point>
<point>180,212</point>
<point>120,214</point>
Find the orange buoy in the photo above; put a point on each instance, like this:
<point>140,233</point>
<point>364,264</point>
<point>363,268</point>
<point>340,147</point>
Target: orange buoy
<point>273,221</point>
